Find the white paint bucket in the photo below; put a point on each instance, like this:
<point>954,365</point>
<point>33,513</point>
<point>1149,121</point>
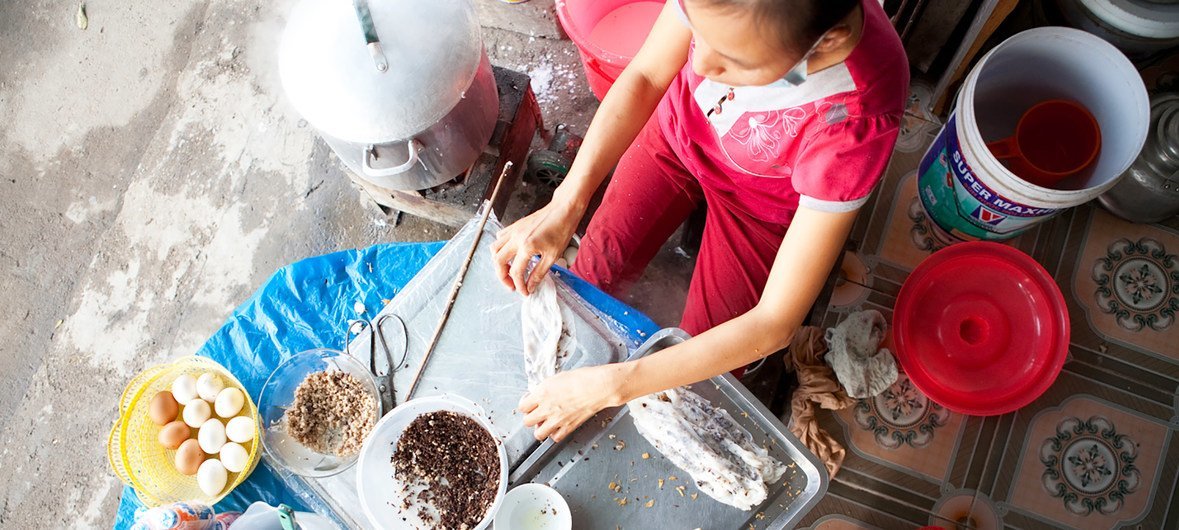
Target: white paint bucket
<point>968,194</point>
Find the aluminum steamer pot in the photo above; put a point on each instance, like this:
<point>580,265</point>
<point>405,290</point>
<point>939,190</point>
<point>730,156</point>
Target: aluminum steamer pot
<point>402,91</point>
<point>1148,192</point>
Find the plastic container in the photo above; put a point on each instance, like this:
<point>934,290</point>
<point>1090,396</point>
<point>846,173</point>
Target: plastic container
<point>968,193</point>
<point>375,483</point>
<point>533,507</point>
<point>133,446</point>
<point>1054,140</point>
<point>262,516</point>
<point>279,393</point>
<point>606,33</point>
<point>981,328</point>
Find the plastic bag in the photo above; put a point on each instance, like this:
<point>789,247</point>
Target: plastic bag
<point>182,516</point>
<point>262,516</point>
<point>306,305</point>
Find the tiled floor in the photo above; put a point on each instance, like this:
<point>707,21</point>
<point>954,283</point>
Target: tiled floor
<point>1097,450</point>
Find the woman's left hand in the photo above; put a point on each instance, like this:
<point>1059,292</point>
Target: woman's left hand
<point>561,403</point>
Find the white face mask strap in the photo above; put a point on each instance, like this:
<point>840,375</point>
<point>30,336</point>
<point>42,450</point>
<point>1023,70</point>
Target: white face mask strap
<point>797,75</point>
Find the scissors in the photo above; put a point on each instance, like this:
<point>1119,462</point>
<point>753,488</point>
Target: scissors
<point>381,364</point>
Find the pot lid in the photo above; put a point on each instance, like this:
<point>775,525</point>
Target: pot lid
<point>389,83</point>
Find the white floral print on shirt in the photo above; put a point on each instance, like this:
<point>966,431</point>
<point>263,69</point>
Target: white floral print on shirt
<point>762,131</point>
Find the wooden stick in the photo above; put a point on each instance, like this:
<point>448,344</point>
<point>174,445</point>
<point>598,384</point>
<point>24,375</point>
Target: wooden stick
<point>458,282</point>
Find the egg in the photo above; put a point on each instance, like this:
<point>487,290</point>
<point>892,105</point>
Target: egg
<point>240,429</point>
<point>208,386</point>
<point>234,457</point>
<point>196,412</point>
<point>211,477</point>
<point>184,389</point>
<point>229,402</point>
<point>173,434</point>
<point>189,457</point>
<point>163,408</point>
<point>211,436</point>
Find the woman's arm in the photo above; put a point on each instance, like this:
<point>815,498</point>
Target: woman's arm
<point>627,107</point>
<point>623,113</point>
<point>808,252</point>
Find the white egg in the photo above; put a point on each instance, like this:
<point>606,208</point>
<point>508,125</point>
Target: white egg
<point>211,436</point>
<point>240,429</point>
<point>211,477</point>
<point>184,389</point>
<point>196,412</point>
<point>234,457</point>
<point>229,402</point>
<point>208,386</point>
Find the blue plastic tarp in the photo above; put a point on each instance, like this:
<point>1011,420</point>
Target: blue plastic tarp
<point>305,305</point>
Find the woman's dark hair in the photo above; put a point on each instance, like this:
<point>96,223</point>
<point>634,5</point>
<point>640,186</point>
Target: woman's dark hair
<point>799,23</point>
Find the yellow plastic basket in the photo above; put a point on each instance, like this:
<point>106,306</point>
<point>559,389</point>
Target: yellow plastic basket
<point>133,446</point>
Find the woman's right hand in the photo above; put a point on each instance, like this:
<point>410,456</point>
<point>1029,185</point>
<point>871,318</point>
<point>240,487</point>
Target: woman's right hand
<point>545,233</point>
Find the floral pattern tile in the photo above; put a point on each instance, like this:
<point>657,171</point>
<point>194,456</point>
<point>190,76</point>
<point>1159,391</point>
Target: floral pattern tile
<point>854,283</point>
<point>908,236</point>
<point>923,234</point>
<point>901,415</point>
<point>903,429</point>
<point>918,126</point>
<point>1127,283</point>
<point>1138,282</point>
<point>1088,464</point>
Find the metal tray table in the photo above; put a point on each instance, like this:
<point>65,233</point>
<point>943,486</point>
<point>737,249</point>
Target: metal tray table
<point>613,479</point>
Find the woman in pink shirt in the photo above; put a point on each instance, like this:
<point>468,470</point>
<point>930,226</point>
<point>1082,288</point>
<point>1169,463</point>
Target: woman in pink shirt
<point>781,116</point>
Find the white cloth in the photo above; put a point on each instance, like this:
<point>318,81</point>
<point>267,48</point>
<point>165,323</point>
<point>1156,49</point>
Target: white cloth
<point>853,352</point>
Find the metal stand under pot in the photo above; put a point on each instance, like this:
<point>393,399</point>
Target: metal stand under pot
<point>455,202</point>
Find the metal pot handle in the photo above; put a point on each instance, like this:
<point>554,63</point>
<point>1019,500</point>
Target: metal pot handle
<point>413,147</point>
<point>371,41</point>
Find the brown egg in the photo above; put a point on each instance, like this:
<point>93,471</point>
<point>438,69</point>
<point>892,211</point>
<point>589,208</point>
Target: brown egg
<point>173,434</point>
<point>163,408</point>
<point>189,457</point>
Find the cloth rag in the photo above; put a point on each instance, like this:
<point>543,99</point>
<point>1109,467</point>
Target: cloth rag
<point>817,388</point>
<point>853,351</point>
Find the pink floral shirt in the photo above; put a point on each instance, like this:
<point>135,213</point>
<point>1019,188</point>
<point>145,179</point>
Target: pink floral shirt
<point>823,144</point>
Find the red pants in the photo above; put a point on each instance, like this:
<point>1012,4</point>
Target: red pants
<point>650,195</point>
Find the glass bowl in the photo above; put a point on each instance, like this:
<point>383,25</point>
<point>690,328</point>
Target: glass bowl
<point>278,394</point>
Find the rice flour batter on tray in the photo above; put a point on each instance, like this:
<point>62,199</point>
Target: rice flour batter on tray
<point>548,336</point>
<point>695,436</point>
<point>707,443</point>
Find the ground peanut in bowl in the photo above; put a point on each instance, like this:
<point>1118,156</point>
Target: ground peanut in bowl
<point>332,414</point>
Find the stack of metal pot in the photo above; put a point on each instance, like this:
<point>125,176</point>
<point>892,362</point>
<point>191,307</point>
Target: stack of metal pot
<point>401,90</point>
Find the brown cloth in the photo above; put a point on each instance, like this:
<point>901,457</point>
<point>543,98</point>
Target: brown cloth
<point>817,387</point>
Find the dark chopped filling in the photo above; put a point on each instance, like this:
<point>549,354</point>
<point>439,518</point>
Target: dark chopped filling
<point>458,462</point>
<point>332,413</point>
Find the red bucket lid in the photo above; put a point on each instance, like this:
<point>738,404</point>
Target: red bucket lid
<point>981,328</point>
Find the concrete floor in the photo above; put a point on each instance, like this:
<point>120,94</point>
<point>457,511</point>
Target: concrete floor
<point>153,176</point>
